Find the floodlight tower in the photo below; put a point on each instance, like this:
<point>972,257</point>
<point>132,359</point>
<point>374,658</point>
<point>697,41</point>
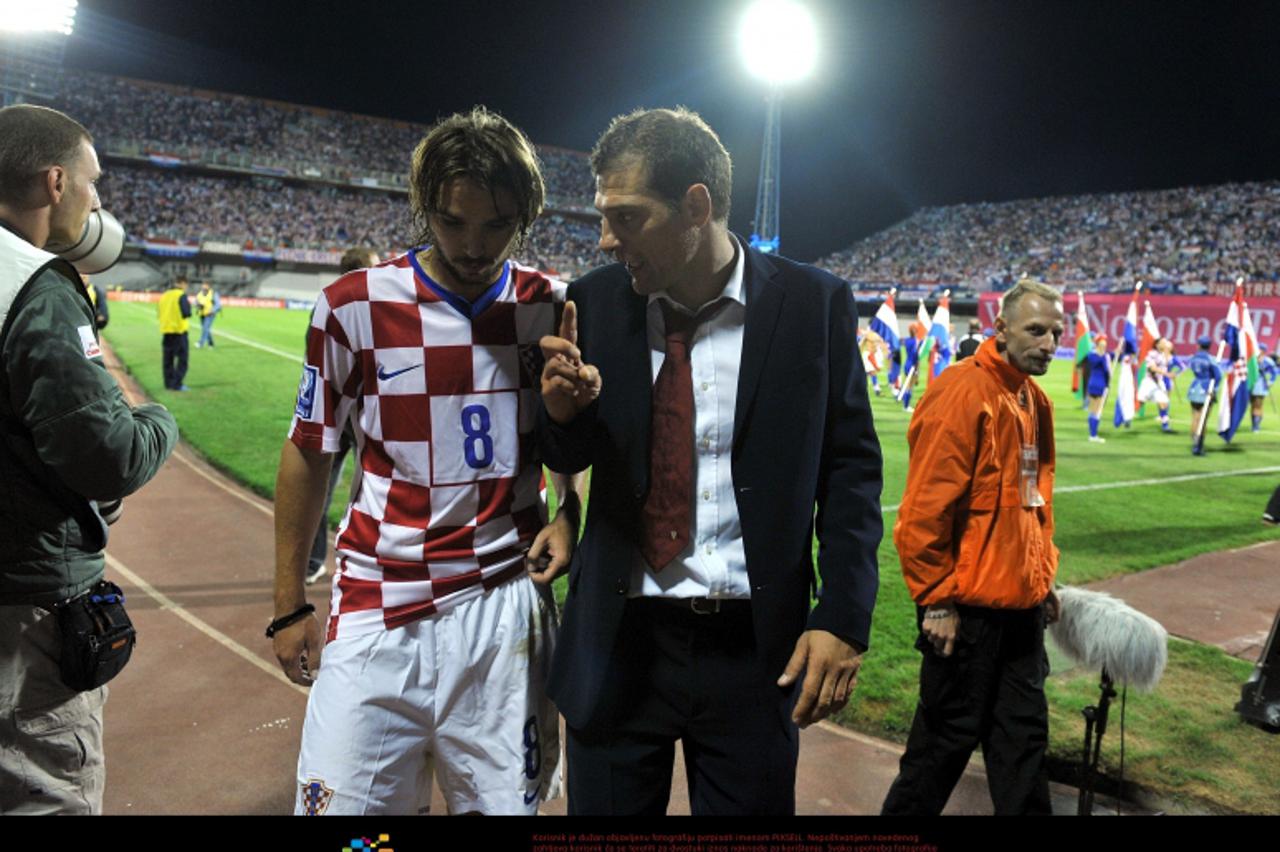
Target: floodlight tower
<point>33,38</point>
<point>779,47</point>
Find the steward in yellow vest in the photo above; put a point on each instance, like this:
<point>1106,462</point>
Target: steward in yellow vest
<point>174,310</point>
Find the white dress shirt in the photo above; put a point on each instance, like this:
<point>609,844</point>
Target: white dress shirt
<point>714,564</point>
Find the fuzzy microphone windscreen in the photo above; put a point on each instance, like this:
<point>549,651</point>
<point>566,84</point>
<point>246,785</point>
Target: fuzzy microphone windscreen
<point>1099,632</point>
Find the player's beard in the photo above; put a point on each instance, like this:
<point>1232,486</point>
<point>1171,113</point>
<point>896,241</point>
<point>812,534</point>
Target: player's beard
<point>471,275</point>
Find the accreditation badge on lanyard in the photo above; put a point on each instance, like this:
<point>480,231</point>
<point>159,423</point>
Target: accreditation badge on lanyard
<point>1029,479</point>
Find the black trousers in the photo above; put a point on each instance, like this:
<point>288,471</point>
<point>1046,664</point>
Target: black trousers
<point>989,692</point>
<point>695,678</point>
<point>174,352</point>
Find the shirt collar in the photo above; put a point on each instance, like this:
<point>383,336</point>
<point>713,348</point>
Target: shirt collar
<point>733,288</point>
<point>990,358</point>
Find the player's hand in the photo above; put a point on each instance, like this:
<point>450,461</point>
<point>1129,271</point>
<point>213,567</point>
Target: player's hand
<point>552,549</point>
<point>942,632</point>
<point>568,385</point>
<point>1052,608</point>
<point>298,648</point>
<point>830,667</point>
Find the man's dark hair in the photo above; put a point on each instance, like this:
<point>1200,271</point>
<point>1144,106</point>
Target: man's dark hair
<point>488,149</point>
<point>356,257</point>
<point>678,149</point>
<point>33,138</point>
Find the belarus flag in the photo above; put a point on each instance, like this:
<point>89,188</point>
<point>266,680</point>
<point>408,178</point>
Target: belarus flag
<point>1239,378</point>
<point>940,331</point>
<point>885,323</point>
<point>1084,345</point>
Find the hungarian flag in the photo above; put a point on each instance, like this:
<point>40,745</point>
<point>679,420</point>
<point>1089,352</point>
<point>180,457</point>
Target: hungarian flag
<point>1084,344</point>
<point>940,331</point>
<point>1239,339</point>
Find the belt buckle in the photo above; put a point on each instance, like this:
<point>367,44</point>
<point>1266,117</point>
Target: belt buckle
<point>704,606</point>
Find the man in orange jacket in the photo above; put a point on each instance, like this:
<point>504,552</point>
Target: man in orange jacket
<point>975,539</point>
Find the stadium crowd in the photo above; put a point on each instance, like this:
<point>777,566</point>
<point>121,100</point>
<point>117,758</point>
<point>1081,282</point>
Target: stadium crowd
<point>231,130</point>
<point>1177,238</point>
<point>270,213</point>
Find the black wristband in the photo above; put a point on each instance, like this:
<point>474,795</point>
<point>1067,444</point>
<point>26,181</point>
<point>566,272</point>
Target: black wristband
<point>292,618</point>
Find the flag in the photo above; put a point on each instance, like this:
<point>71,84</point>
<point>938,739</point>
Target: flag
<point>1126,394</point>
<point>1084,343</point>
<point>885,322</point>
<point>1238,379</point>
<point>1146,342</point>
<point>924,342</point>
<point>1128,345</point>
<point>940,331</point>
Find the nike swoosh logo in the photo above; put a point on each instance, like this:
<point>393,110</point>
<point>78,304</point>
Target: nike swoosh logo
<point>384,375</point>
<point>529,798</point>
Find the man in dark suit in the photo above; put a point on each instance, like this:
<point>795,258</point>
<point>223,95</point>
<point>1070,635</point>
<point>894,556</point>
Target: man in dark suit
<point>718,395</point>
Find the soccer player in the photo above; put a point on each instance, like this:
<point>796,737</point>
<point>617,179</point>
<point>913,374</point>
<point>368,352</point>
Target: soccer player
<point>440,622</point>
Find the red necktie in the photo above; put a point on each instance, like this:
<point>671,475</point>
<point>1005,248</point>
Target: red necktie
<point>667,515</point>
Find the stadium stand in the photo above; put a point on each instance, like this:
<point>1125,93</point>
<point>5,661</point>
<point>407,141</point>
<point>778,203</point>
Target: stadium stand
<point>231,180</point>
<point>1177,239</point>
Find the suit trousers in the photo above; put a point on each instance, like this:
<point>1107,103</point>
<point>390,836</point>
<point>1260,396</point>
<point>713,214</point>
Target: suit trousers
<point>989,692</point>
<point>679,675</point>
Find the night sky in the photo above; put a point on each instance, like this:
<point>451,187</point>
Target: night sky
<point>914,103</point>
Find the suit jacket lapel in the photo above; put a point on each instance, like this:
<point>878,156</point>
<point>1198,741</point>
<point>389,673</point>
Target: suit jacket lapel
<point>764,305</point>
<point>632,378</point>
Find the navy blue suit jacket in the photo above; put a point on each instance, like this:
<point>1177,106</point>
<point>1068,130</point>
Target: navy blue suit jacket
<point>803,436</point>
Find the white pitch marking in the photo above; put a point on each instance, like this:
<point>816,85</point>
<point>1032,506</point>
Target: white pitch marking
<point>238,493</point>
<point>292,356</point>
<point>204,627</point>
<point>1134,483</point>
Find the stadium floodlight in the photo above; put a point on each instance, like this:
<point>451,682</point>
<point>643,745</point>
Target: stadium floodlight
<point>778,41</point>
<point>779,46</point>
<point>38,16</point>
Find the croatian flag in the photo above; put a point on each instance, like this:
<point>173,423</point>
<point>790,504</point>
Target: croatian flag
<point>1127,389</point>
<point>1084,345</point>
<point>885,323</point>
<point>1126,393</point>
<point>940,331</point>
<point>1238,379</point>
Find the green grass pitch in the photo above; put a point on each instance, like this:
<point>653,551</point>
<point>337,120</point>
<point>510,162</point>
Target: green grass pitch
<point>1183,740</point>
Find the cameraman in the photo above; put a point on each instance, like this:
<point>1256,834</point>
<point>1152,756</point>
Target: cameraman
<point>68,440</point>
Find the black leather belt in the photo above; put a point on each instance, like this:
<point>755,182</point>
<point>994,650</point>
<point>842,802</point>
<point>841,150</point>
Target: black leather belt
<point>703,606</point>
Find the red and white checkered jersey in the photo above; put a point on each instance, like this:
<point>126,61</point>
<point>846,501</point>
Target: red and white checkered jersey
<point>442,393</point>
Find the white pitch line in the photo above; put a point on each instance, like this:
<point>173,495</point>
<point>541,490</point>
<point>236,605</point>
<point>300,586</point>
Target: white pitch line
<point>204,627</point>
<point>1135,483</point>
<point>234,492</point>
<point>292,356</point>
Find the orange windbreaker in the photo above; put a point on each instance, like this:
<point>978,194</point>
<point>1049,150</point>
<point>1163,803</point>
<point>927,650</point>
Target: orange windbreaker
<point>962,533</point>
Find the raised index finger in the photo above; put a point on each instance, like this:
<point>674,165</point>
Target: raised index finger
<point>569,323</point>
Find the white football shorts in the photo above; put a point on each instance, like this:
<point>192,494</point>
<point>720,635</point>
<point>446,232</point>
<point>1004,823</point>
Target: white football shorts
<point>1152,391</point>
<point>459,695</point>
